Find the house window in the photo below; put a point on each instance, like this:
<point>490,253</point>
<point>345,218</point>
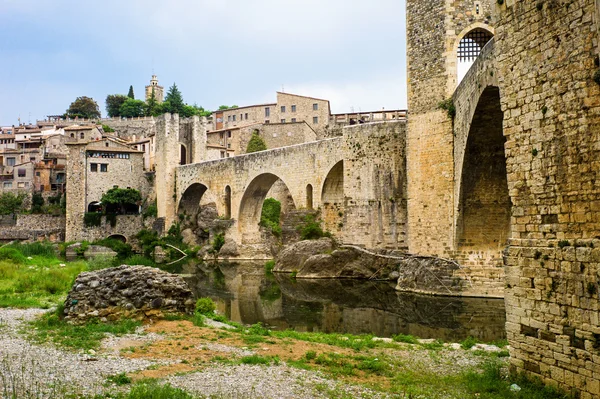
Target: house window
<point>72,135</point>
<point>22,172</point>
<point>21,184</point>
<point>267,112</point>
<point>222,154</point>
<point>228,145</point>
<point>241,116</point>
<point>283,108</point>
<point>32,159</point>
<point>93,167</point>
<point>221,135</point>
<point>267,121</point>
<point>81,135</point>
<point>293,108</point>
<point>10,161</point>
<point>246,116</point>
<point>293,120</point>
<point>229,134</point>
<point>315,107</point>
<point>106,144</point>
<point>229,118</point>
<point>315,119</point>
<point>7,184</point>
<point>283,121</point>
<point>144,147</point>
<point>37,174</point>
<point>103,167</point>
<point>234,118</point>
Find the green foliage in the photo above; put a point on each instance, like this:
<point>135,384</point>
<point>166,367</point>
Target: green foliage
<point>101,262</point>
<point>468,343</point>
<point>148,240</point>
<point>269,265</point>
<point>139,260</point>
<point>38,248</point>
<point>256,143</point>
<point>10,203</point>
<point>218,242</point>
<point>449,107</point>
<point>152,389</point>
<point>107,129</point>
<point>113,106</point>
<point>119,379</point>
<point>111,218</point>
<point>37,202</point>
<point>121,198</point>
<point>311,228</point>
<point>257,359</point>
<point>563,243</point>
<point>132,108</point>
<point>12,254</point>
<point>122,249</point>
<point>224,107</point>
<point>150,211</point>
<point>173,101</point>
<point>270,216</point>
<point>408,339</point>
<point>92,219</point>
<point>152,106</point>
<point>84,107</point>
<point>50,327</point>
<point>205,306</point>
<point>130,93</point>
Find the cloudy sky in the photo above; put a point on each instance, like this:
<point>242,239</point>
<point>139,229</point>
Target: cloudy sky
<point>217,51</point>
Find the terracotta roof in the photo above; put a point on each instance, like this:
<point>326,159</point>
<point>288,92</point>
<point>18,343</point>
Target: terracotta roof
<point>298,95</point>
<point>112,149</point>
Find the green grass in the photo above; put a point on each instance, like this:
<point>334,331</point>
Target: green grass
<point>151,389</point>
<point>50,327</point>
<point>38,281</point>
<point>119,379</point>
<point>408,339</point>
<point>257,359</point>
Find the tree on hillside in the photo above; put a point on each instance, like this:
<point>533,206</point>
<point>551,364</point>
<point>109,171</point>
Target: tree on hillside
<point>83,107</point>
<point>256,143</point>
<point>113,104</point>
<point>174,99</point>
<point>132,108</point>
<point>224,107</point>
<point>130,94</point>
<point>10,203</point>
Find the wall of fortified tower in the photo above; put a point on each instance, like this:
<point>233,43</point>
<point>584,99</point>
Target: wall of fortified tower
<point>547,56</point>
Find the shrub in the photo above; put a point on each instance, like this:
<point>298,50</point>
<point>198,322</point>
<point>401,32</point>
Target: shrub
<point>92,219</point>
<point>150,211</point>
<point>449,107</point>
<point>311,229</point>
<point>271,215</point>
<point>7,253</point>
<point>205,306</point>
<point>37,202</point>
<point>38,248</point>
<point>256,143</point>
<point>468,343</point>
<point>10,203</point>
<point>218,242</point>
<point>101,262</point>
<point>122,249</point>
<point>135,260</point>
<point>269,265</point>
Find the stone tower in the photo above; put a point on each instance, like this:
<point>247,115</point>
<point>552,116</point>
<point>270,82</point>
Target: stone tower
<point>159,91</point>
<point>435,28</point>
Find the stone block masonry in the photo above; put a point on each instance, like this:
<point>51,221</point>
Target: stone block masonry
<point>547,57</point>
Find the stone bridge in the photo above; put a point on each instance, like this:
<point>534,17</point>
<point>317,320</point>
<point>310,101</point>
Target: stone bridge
<point>311,173</point>
<point>357,182</point>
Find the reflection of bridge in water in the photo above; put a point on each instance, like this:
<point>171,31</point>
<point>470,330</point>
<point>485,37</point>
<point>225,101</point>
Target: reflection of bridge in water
<point>245,294</point>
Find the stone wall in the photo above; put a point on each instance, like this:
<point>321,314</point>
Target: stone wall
<point>126,225</point>
<point>548,57</point>
<point>132,128</point>
<point>33,227</point>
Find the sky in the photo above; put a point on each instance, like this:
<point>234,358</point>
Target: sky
<point>219,52</point>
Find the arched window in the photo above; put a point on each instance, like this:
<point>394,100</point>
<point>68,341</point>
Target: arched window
<point>183,155</point>
<point>469,48</point>
<point>228,202</point>
<point>309,196</point>
<point>81,135</point>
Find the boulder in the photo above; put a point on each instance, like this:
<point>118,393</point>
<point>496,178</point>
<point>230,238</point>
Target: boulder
<point>206,217</point>
<point>73,251</point>
<point>160,255</point>
<point>190,238</point>
<point>228,249</point>
<point>292,258</point>
<point>97,250</point>
<point>137,292</point>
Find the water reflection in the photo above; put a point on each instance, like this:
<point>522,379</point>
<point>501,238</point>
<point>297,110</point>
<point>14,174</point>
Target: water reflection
<point>245,294</point>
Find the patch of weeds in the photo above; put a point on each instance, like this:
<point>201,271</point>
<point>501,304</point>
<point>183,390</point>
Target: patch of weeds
<point>119,379</point>
<point>537,255</point>
<point>269,266</point>
<point>152,389</point>
<point>205,306</point>
<point>468,343</point>
<point>408,339</point>
<point>257,359</point>
<point>563,243</point>
<point>592,289</point>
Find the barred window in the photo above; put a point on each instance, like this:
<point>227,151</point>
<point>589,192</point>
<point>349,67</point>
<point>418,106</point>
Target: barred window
<point>471,44</point>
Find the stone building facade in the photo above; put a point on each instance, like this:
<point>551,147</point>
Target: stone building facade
<point>159,91</point>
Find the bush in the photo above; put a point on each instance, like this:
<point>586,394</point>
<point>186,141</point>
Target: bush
<point>10,203</point>
<point>37,202</point>
<point>150,211</point>
<point>271,215</point>
<point>7,253</point>
<point>136,260</point>
<point>218,242</point>
<point>256,143</point>
<point>101,262</point>
<point>38,248</point>
<point>92,219</point>
<point>205,306</point>
<point>311,229</point>
<point>122,249</point>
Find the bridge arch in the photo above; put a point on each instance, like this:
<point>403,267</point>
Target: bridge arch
<point>250,208</point>
<point>332,198</point>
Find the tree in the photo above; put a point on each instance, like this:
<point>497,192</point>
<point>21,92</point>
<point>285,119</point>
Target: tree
<point>152,106</point>
<point>224,107</point>
<point>10,203</point>
<point>84,107</point>
<point>113,104</point>
<point>130,94</point>
<point>256,143</point>
<point>174,99</point>
<point>37,202</point>
<point>121,200</point>
<point>132,108</point>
